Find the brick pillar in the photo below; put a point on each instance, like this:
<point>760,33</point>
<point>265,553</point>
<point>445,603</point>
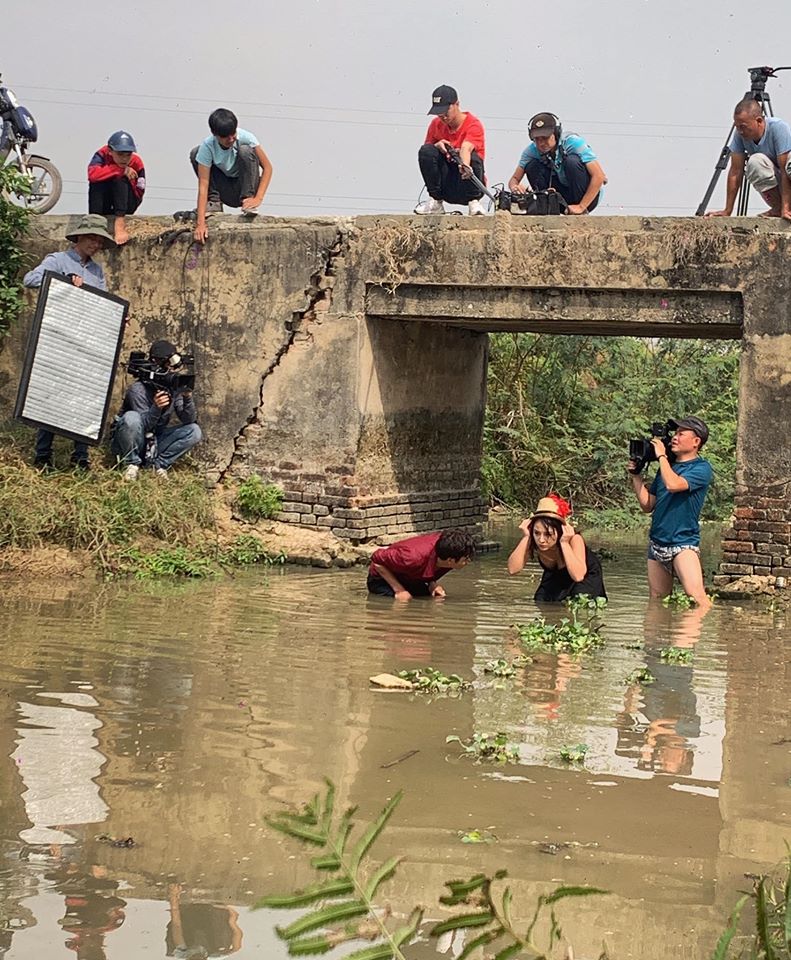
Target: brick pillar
<point>758,543</point>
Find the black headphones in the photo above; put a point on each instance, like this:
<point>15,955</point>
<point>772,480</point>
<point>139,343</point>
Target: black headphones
<point>557,130</point>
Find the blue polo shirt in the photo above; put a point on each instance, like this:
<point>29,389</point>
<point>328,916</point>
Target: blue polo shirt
<point>676,517</point>
<point>569,143</point>
<point>67,262</point>
<point>775,141</point>
<point>211,154</point>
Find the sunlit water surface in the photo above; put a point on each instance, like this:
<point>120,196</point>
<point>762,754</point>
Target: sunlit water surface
<point>182,716</point>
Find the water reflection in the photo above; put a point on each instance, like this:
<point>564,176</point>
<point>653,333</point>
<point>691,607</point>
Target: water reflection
<point>182,716</point>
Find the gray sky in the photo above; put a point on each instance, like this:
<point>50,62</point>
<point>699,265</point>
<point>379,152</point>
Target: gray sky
<point>337,92</point>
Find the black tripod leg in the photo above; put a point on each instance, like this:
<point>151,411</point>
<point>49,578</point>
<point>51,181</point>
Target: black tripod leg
<point>721,164</point>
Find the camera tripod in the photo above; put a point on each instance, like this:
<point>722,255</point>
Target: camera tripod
<point>757,91</point>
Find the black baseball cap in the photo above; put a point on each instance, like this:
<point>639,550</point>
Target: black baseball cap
<point>162,350</point>
<point>695,424</point>
<point>543,124</point>
<point>442,98</point>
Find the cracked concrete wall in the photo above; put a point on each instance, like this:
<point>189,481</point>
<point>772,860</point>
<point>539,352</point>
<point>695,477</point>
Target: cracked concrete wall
<point>301,382</point>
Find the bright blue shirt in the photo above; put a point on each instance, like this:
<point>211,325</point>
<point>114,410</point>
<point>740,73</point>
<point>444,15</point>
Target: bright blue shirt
<point>211,154</point>
<point>776,140</point>
<point>66,262</point>
<point>569,143</point>
<point>676,516</point>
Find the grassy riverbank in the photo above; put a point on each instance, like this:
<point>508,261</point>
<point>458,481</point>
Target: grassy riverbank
<point>145,529</point>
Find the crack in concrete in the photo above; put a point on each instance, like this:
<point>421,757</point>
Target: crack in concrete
<point>319,301</point>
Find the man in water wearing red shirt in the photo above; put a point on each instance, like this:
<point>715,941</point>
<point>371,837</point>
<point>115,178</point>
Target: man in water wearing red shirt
<point>412,567</point>
<point>444,179</point>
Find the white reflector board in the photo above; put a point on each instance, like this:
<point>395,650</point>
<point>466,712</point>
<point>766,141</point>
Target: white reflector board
<point>72,355</point>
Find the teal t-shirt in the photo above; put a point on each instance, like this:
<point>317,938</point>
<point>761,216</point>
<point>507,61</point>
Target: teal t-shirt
<point>211,154</point>
<point>676,516</point>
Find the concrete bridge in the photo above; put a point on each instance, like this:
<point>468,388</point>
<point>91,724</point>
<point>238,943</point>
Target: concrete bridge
<point>345,359</point>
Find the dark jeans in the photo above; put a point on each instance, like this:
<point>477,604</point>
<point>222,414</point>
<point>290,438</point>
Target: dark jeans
<point>542,176</point>
<point>44,440</point>
<point>110,197</point>
<point>232,190</point>
<point>443,179</point>
<point>380,586</point>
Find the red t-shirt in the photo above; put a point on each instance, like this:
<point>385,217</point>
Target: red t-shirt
<point>412,559</point>
<point>471,129</point>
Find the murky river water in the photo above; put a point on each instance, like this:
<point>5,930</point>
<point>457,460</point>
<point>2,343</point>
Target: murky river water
<point>181,716</point>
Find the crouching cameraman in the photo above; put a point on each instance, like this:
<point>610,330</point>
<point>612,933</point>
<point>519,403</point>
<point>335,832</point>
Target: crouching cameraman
<point>675,498</point>
<point>141,435</point>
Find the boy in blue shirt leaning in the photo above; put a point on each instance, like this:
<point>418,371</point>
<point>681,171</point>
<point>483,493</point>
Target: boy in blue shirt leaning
<point>561,161</point>
<point>232,169</point>
<point>675,498</point>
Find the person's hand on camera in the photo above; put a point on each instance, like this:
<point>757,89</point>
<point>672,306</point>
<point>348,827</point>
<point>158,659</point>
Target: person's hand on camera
<point>186,395</point>
<point>632,467</point>
<point>659,447</point>
<point>161,399</point>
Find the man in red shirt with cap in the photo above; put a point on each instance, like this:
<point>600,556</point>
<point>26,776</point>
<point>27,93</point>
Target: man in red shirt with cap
<point>412,567</point>
<point>445,179</point>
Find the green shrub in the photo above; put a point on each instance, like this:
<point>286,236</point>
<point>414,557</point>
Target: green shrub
<point>258,500</point>
<point>13,225</point>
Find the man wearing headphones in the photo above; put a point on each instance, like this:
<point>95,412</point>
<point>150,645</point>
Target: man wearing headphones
<point>141,434</point>
<point>559,161</point>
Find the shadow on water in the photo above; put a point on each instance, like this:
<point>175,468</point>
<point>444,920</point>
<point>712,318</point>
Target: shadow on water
<point>181,716</point>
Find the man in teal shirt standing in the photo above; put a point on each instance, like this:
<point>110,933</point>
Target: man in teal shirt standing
<point>232,169</point>
<point>675,498</point>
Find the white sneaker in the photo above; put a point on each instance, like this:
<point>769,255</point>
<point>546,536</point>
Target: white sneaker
<point>474,209</point>
<point>161,473</point>
<point>430,206</point>
<point>131,472</point>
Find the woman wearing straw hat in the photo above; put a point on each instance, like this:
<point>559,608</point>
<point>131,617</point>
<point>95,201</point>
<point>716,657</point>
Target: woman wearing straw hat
<point>570,568</point>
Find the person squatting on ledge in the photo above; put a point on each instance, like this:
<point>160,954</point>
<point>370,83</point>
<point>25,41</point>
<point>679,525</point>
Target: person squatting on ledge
<point>765,144</point>
<point>570,568</point>
<point>77,263</point>
<point>445,179</point>
<point>412,567</point>
<point>141,435</point>
<point>559,161</point>
<point>675,498</point>
<point>231,167</point>
<point>116,181</point>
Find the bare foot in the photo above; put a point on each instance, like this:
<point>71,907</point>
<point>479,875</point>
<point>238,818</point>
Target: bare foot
<point>772,212</point>
<point>120,233</point>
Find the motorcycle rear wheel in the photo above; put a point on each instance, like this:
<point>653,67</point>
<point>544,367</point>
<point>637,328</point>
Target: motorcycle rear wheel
<point>46,185</point>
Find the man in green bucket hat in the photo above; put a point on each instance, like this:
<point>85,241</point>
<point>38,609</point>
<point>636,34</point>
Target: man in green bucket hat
<point>77,263</point>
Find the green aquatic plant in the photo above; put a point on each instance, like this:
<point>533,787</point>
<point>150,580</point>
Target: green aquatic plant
<point>499,668</point>
<point>246,550</point>
<point>678,599</point>
<point>258,500</point>
<point>568,636</point>
<point>342,904</point>
<point>477,836</point>
<point>487,747</point>
<point>584,602</point>
<point>429,680</point>
<point>676,655</point>
<point>162,562</point>
<point>574,754</point>
<point>771,901</point>
<point>641,675</point>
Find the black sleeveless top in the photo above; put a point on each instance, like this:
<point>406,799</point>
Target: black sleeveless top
<point>556,583</point>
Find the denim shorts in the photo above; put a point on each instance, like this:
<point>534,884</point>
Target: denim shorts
<point>665,555</point>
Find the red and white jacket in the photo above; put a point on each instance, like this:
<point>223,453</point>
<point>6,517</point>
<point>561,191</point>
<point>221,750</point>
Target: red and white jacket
<point>103,167</point>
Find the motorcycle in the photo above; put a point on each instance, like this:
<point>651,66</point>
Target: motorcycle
<point>18,130</point>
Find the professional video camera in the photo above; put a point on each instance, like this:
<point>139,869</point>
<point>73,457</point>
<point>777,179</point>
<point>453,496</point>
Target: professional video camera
<point>641,450</point>
<point>536,203</point>
<point>171,379</point>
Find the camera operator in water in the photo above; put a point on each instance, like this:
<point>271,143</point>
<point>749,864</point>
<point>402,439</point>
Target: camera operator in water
<point>141,434</point>
<point>554,160</point>
<point>675,498</point>
<point>765,144</point>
